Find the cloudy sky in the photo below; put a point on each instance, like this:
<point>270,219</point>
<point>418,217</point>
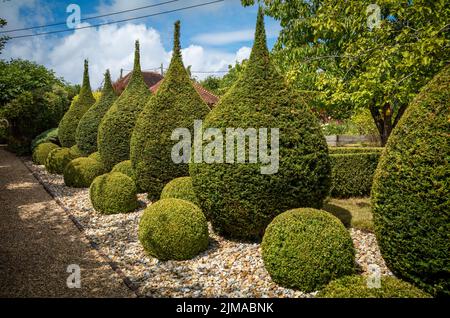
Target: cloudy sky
<point>212,36</point>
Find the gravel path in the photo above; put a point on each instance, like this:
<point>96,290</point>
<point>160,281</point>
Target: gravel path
<point>38,241</point>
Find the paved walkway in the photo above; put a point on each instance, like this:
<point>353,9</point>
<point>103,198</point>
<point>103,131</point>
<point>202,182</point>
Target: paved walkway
<point>38,242</point>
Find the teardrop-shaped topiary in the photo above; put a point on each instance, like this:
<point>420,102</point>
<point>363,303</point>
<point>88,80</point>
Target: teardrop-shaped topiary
<point>176,105</point>
<point>86,135</point>
<point>114,132</point>
<point>238,198</point>
<point>68,125</point>
<point>411,193</point>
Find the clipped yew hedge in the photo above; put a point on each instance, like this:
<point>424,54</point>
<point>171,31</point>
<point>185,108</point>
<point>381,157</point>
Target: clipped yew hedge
<point>80,172</point>
<point>41,152</point>
<point>58,158</point>
<point>180,188</point>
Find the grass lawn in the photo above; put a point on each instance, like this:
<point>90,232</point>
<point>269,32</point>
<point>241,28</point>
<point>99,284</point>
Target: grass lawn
<point>353,212</point>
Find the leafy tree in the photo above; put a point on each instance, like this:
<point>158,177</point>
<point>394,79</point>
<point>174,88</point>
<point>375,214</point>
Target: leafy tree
<point>220,86</point>
<point>3,39</point>
<point>332,49</point>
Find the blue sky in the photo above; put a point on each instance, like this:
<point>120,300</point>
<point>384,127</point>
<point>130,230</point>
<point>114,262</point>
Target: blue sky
<point>212,36</point>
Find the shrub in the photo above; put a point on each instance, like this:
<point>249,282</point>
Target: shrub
<point>177,104</point>
<point>125,168</point>
<point>411,193</point>
<point>57,160</point>
<point>173,229</point>
<point>115,129</point>
<point>41,152</point>
<point>180,188</point>
<point>352,173</point>
<point>95,156</point>
<point>86,134</point>
<point>76,151</point>
<point>68,126</point>
<point>113,193</point>
<point>50,135</point>
<point>306,248</point>
<point>355,286</point>
<point>80,172</point>
<point>350,150</point>
<point>238,198</point>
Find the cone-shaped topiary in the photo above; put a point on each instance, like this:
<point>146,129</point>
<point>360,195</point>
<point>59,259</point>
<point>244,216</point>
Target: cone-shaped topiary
<point>80,172</point>
<point>176,105</point>
<point>58,158</point>
<point>307,248</point>
<point>173,229</point>
<point>41,152</point>
<point>180,188</point>
<point>68,125</point>
<point>115,129</point>
<point>86,135</point>
<point>237,197</point>
<point>411,193</point>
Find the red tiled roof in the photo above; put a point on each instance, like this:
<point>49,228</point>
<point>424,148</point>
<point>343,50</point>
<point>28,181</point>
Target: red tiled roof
<point>150,78</point>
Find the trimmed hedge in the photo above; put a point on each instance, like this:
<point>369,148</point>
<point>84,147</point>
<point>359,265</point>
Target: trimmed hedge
<point>411,192</point>
<point>173,229</point>
<point>114,132</point>
<point>180,188</point>
<point>113,193</point>
<point>80,172</point>
<point>68,125</point>
<point>86,135</point>
<point>176,104</point>
<point>41,152</point>
<point>239,200</point>
<point>57,160</point>
<point>352,173</point>
<point>355,286</point>
<point>50,135</point>
<point>125,168</point>
<point>348,150</point>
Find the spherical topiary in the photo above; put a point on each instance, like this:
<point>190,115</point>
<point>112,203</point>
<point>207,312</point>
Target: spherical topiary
<point>86,135</point>
<point>68,125</point>
<point>125,168</point>
<point>57,160</point>
<point>80,172</point>
<point>114,132</point>
<point>176,104</point>
<point>180,188</point>
<point>113,193</point>
<point>95,156</point>
<point>306,248</point>
<point>237,197</point>
<point>41,152</point>
<point>355,286</point>
<point>411,192</point>
<point>76,151</point>
<point>173,229</point>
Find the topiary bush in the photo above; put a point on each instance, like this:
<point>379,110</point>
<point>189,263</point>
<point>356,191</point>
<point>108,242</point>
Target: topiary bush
<point>57,160</point>
<point>50,135</point>
<point>113,193</point>
<point>173,229</point>
<point>68,125</point>
<point>86,134</point>
<point>355,286</point>
<point>352,173</point>
<point>80,172</point>
<point>41,152</point>
<point>76,151</point>
<point>306,248</point>
<point>176,104</point>
<point>180,188</point>
<point>125,168</point>
<point>95,156</point>
<point>115,129</point>
<point>238,198</point>
<point>411,193</point>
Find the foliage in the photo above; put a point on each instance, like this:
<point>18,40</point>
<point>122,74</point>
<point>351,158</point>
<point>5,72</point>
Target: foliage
<point>41,152</point>
<point>95,156</point>
<point>411,193</point>
<point>4,38</point>
<point>260,99</point>
<point>355,286</point>
<point>86,134</point>
<point>57,160</point>
<point>116,127</point>
<point>180,188</point>
<point>220,86</point>
<point>68,126</point>
<point>173,229</point>
<point>50,135</point>
<point>80,172</point>
<point>306,248</point>
<point>113,193</point>
<point>125,168</point>
<point>176,104</point>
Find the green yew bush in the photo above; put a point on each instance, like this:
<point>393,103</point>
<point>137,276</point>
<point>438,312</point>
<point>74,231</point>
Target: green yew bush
<point>68,125</point>
<point>41,152</point>
<point>411,193</point>
<point>176,104</point>
<point>173,229</point>
<point>114,132</point>
<point>95,156</point>
<point>80,172</point>
<point>125,168</point>
<point>239,200</point>
<point>86,134</point>
<point>58,158</point>
<point>180,188</point>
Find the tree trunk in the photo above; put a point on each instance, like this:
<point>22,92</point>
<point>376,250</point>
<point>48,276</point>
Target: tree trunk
<point>383,121</point>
